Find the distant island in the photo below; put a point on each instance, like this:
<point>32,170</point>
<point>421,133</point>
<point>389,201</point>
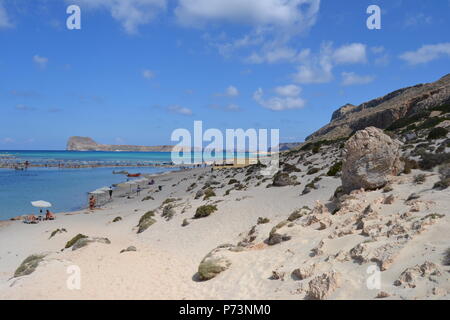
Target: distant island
<point>88,144</point>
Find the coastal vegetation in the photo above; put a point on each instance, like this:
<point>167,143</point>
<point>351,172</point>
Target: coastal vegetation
<point>204,211</point>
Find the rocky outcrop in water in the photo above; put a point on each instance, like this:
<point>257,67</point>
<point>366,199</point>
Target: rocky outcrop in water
<point>88,144</point>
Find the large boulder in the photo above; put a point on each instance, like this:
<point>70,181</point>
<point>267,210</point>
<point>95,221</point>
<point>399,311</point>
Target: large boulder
<point>282,179</point>
<point>370,158</point>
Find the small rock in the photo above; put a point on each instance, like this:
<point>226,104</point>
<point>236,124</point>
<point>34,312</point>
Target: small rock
<point>322,286</point>
<point>382,295</point>
<point>304,272</point>
<point>130,248</point>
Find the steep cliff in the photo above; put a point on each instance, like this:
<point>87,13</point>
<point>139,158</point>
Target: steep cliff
<point>384,111</point>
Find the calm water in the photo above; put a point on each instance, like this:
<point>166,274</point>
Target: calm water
<point>39,157</point>
<point>66,189</point>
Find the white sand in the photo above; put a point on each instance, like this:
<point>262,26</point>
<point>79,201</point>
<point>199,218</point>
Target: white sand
<point>168,255</point>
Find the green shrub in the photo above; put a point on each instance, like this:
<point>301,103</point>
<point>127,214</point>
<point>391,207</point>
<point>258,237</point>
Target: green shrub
<point>406,121</point>
<point>168,212</point>
<point>338,192</point>
<point>429,160</point>
<point>191,187</point>
<point>437,133</point>
<point>420,179</point>
<point>335,169</point>
<point>169,200</point>
<point>430,123</point>
<point>444,108</point>
<point>57,231</point>
<point>263,220</point>
<point>409,165</point>
<point>233,181</point>
<point>289,168</point>
<point>146,221</point>
<point>29,265</point>
<point>312,171</point>
<point>148,198</point>
<point>204,211</point>
<point>117,219</point>
<point>447,257</point>
<point>72,241</point>
<point>442,185</point>
<point>297,214</point>
<point>209,193</point>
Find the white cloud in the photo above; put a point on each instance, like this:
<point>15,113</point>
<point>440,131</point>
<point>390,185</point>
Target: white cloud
<point>180,110</point>
<point>278,103</point>
<point>130,13</point>
<point>148,74</point>
<point>7,140</point>
<point>351,78</point>
<point>427,53</point>
<point>4,19</point>
<point>273,54</point>
<point>231,92</point>
<point>290,90</point>
<point>377,50</point>
<point>229,108</point>
<point>418,19</point>
<point>288,14</point>
<point>41,62</point>
<point>350,54</point>
<point>319,68</point>
<point>270,24</point>
<point>23,107</point>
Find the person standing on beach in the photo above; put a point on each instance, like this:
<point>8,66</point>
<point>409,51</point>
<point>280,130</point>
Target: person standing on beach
<point>92,203</point>
<point>138,190</point>
<point>110,191</point>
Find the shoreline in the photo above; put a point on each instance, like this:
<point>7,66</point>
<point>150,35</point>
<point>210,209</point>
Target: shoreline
<point>75,210</point>
<point>264,233</point>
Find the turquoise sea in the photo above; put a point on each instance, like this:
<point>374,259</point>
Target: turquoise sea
<point>67,189</point>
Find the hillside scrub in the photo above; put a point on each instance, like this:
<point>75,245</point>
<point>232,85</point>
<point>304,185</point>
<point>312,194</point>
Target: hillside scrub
<point>204,211</point>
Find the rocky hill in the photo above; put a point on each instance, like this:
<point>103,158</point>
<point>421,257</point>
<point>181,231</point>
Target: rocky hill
<point>384,111</point>
<point>88,144</point>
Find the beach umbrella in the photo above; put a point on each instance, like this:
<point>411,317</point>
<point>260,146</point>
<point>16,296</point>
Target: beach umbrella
<point>131,184</point>
<point>97,192</point>
<point>41,204</point>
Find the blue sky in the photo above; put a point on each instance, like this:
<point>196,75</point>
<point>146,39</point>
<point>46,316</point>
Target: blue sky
<point>138,69</point>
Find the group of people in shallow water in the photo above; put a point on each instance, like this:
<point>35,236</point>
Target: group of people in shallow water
<point>32,219</point>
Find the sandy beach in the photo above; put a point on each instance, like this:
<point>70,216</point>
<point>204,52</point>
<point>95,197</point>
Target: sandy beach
<point>168,254</point>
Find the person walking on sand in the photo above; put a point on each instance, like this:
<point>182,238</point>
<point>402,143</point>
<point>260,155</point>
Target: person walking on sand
<point>92,203</point>
<point>138,190</point>
<point>110,191</point>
